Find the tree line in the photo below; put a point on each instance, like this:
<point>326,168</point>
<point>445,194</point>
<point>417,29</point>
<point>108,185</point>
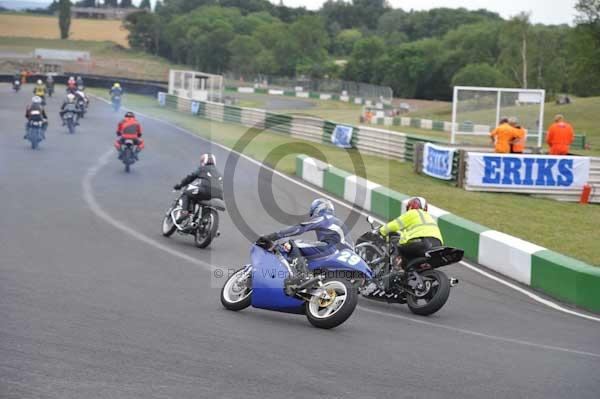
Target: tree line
<point>420,54</point>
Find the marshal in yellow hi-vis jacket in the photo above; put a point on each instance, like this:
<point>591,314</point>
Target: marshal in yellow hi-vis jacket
<point>419,231</point>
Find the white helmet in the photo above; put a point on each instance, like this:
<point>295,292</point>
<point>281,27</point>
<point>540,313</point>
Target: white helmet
<point>36,100</point>
<point>70,97</point>
<point>39,81</point>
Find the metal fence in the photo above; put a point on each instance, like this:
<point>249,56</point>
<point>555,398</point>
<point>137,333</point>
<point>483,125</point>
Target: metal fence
<point>331,86</point>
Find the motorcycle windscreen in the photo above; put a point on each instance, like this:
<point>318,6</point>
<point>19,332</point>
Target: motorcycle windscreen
<point>342,261</point>
<point>268,275</point>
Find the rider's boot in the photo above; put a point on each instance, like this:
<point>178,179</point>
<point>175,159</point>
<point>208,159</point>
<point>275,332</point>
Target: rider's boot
<point>183,217</point>
<point>299,268</point>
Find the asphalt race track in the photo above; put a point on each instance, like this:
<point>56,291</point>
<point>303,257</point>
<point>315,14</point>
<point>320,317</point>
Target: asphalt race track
<point>95,303</point>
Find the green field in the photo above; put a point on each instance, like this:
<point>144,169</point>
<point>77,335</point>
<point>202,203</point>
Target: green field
<point>529,218</point>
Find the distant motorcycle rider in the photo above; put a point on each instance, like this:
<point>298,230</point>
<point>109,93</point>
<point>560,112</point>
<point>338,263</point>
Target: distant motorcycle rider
<point>115,90</point>
<point>35,112</point>
<point>210,184</point>
<point>40,89</point>
<point>81,99</point>
<point>71,85</point>
<point>69,105</point>
<point>129,129</point>
<point>332,234</point>
<point>50,83</point>
<point>79,82</point>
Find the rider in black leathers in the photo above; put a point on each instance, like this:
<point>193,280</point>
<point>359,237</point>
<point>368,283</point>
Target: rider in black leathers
<point>210,184</point>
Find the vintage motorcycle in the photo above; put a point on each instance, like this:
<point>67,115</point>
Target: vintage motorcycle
<point>202,223</point>
<point>416,282</point>
<point>325,294</point>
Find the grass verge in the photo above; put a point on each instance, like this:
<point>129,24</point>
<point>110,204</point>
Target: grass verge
<point>562,227</point>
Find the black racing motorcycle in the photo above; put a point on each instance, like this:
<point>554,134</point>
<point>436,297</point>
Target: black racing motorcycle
<point>202,222</point>
<point>16,85</point>
<point>415,282</point>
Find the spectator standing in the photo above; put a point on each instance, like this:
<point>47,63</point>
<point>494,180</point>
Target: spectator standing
<point>502,136</point>
<point>518,144</point>
<point>560,136</point>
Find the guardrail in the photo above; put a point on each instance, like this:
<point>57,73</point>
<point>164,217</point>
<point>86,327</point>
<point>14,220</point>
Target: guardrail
<point>309,94</point>
<point>557,275</point>
<point>368,140</point>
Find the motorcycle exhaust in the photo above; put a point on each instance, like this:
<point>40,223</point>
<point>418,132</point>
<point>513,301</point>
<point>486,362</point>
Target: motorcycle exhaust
<point>453,282</point>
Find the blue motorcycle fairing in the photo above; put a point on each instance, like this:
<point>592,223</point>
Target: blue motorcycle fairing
<point>268,275</point>
<point>342,260</point>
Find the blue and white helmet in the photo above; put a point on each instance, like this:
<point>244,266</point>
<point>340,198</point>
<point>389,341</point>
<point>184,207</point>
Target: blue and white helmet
<point>321,206</point>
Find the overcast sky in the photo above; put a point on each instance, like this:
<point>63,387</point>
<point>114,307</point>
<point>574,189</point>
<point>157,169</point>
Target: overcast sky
<point>542,11</point>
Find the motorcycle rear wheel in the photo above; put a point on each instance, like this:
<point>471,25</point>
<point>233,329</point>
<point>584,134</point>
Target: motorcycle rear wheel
<point>435,298</point>
<point>71,126</point>
<point>203,237</point>
<point>322,314</point>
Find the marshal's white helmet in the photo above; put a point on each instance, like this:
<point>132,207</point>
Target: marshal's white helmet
<point>39,81</point>
<point>36,100</point>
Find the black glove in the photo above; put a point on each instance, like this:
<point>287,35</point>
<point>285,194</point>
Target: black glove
<point>266,242</point>
<point>177,187</point>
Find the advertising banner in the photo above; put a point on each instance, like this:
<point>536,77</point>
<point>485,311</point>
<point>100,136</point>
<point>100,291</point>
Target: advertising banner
<point>342,136</point>
<point>527,171</point>
<point>437,161</point>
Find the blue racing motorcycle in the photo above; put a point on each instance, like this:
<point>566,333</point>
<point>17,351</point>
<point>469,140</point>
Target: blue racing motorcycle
<point>326,294</point>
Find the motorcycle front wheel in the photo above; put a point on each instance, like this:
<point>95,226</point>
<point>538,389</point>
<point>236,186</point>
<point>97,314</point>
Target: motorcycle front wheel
<point>236,294</point>
<point>334,307</point>
<point>168,227</point>
<point>433,296</point>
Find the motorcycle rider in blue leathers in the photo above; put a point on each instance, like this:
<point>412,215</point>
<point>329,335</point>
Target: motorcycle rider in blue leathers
<point>332,234</point>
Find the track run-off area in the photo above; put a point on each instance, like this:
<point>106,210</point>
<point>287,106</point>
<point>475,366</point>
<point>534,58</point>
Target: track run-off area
<point>95,303</point>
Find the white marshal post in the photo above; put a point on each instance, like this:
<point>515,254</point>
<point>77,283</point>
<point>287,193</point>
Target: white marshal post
<point>476,111</point>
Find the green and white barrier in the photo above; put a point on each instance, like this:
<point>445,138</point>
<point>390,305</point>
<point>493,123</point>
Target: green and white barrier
<point>306,94</point>
<point>367,140</point>
<point>557,275</point>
